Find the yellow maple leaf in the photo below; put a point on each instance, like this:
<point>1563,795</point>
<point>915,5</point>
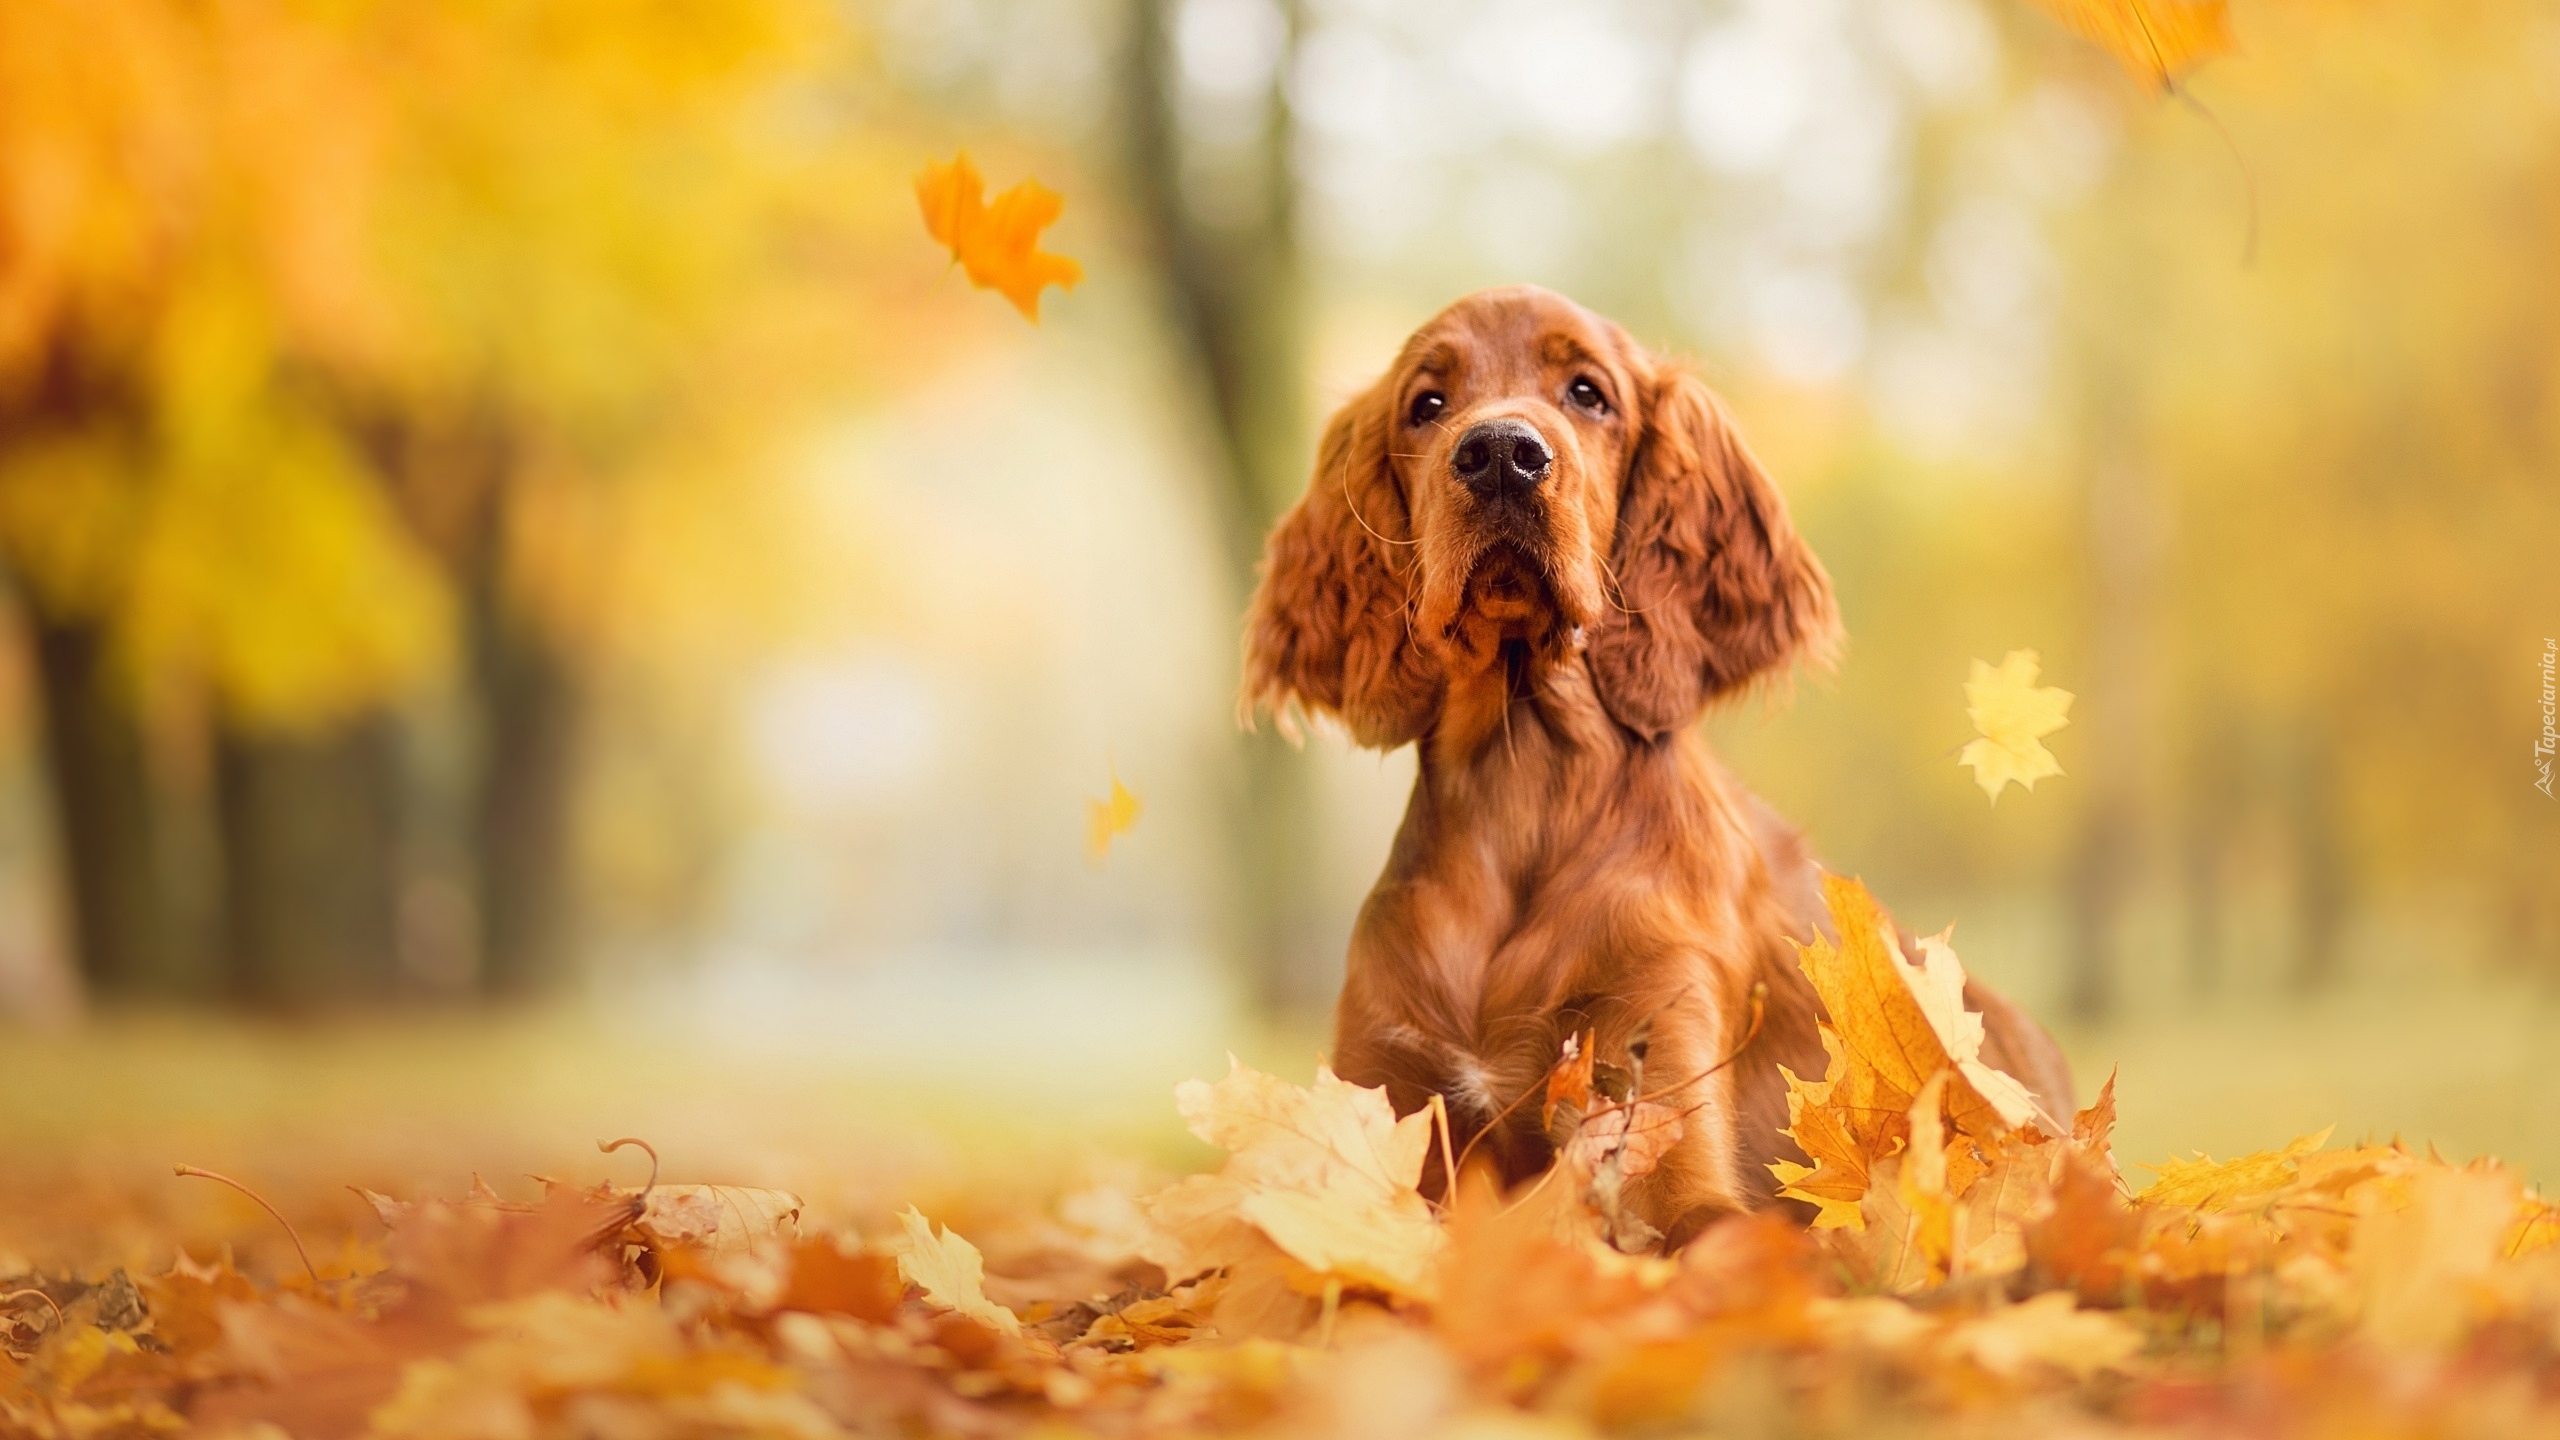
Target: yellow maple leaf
<point>951,1272</point>
<point>1328,1175</point>
<point>2156,41</point>
<point>997,243</point>
<point>1892,1028</point>
<point>2205,1183</point>
<point>1109,817</point>
<point>2013,714</point>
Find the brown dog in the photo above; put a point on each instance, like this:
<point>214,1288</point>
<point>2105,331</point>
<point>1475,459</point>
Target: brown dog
<point>1540,552</point>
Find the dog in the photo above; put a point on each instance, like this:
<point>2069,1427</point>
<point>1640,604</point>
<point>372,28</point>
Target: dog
<point>1539,553</point>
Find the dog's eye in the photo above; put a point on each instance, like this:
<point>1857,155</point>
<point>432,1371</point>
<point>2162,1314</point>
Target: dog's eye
<point>1587,395</point>
<point>1426,408</point>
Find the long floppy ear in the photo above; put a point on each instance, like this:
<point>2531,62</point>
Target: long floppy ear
<point>1721,588</point>
<point>1330,627</point>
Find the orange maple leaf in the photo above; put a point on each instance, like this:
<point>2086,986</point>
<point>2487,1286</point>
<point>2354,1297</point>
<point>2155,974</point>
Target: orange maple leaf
<point>2156,41</point>
<point>998,243</point>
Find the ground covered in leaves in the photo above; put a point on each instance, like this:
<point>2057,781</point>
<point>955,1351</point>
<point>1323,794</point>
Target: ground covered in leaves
<point>1977,1266</point>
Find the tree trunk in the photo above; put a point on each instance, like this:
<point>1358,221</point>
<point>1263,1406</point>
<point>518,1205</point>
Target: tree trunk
<point>310,855</point>
<point>2322,886</point>
<point>2123,540</point>
<point>122,927</point>
<point>529,714</point>
<point>1231,267</point>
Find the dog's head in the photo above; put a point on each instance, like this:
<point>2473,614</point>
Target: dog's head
<point>1524,486</point>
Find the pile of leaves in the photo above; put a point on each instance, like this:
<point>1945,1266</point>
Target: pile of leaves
<point>1975,1266</point>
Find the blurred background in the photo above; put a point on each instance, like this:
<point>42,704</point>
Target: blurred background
<point>539,604</point>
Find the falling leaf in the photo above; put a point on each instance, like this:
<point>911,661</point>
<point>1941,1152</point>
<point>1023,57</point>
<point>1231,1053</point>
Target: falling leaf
<point>998,243</point>
<point>1107,818</point>
<point>950,1272</point>
<point>2156,41</point>
<point>2013,715</point>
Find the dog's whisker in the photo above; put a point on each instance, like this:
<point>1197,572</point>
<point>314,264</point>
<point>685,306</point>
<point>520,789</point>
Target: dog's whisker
<point>1354,507</point>
<point>1617,603</point>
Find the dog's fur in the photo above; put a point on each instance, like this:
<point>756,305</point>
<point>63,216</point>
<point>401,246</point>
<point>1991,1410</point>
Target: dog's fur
<point>1573,856</point>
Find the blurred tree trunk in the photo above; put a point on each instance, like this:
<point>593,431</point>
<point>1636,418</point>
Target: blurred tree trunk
<point>528,701</point>
<point>517,787</point>
<point>1219,202</point>
<point>309,830</point>
<point>2208,815</point>
<point>2321,884</point>
<point>2121,512</point>
<point>123,932</point>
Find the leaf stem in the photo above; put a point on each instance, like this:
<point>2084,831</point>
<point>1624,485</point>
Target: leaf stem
<point>298,1247</point>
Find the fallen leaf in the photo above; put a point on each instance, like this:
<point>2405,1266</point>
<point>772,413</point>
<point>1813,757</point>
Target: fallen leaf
<point>997,244</point>
<point>950,1272</point>
<point>827,1280</point>
<point>1525,1277</point>
<point>1328,1175</point>
<point>2014,715</point>
<point>1892,1028</point>
<point>1569,1079</point>
<point>718,1219</point>
<point>2047,1331</point>
<point>2204,1183</point>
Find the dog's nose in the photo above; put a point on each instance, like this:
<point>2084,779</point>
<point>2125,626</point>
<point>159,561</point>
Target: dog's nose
<point>1501,457</point>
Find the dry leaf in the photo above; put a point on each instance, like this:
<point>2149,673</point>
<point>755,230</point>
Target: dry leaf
<point>2046,1331</point>
<point>1328,1175</point>
<point>998,244</point>
<point>1892,1028</point>
<point>2014,715</point>
<point>950,1272</point>
<point>720,1220</point>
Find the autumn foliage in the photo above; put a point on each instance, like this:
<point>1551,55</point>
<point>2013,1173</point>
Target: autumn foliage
<point>1976,1265</point>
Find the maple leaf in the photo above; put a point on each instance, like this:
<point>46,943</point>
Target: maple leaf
<point>996,243</point>
<point>950,1272</point>
<point>2013,715</point>
<point>1892,1027</point>
<point>1328,1175</point>
<point>1114,815</point>
<point>2204,1183</point>
<point>2156,41</point>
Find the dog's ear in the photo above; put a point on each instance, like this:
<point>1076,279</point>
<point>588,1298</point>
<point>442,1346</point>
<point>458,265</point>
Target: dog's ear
<point>1329,630</point>
<point>1717,588</point>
